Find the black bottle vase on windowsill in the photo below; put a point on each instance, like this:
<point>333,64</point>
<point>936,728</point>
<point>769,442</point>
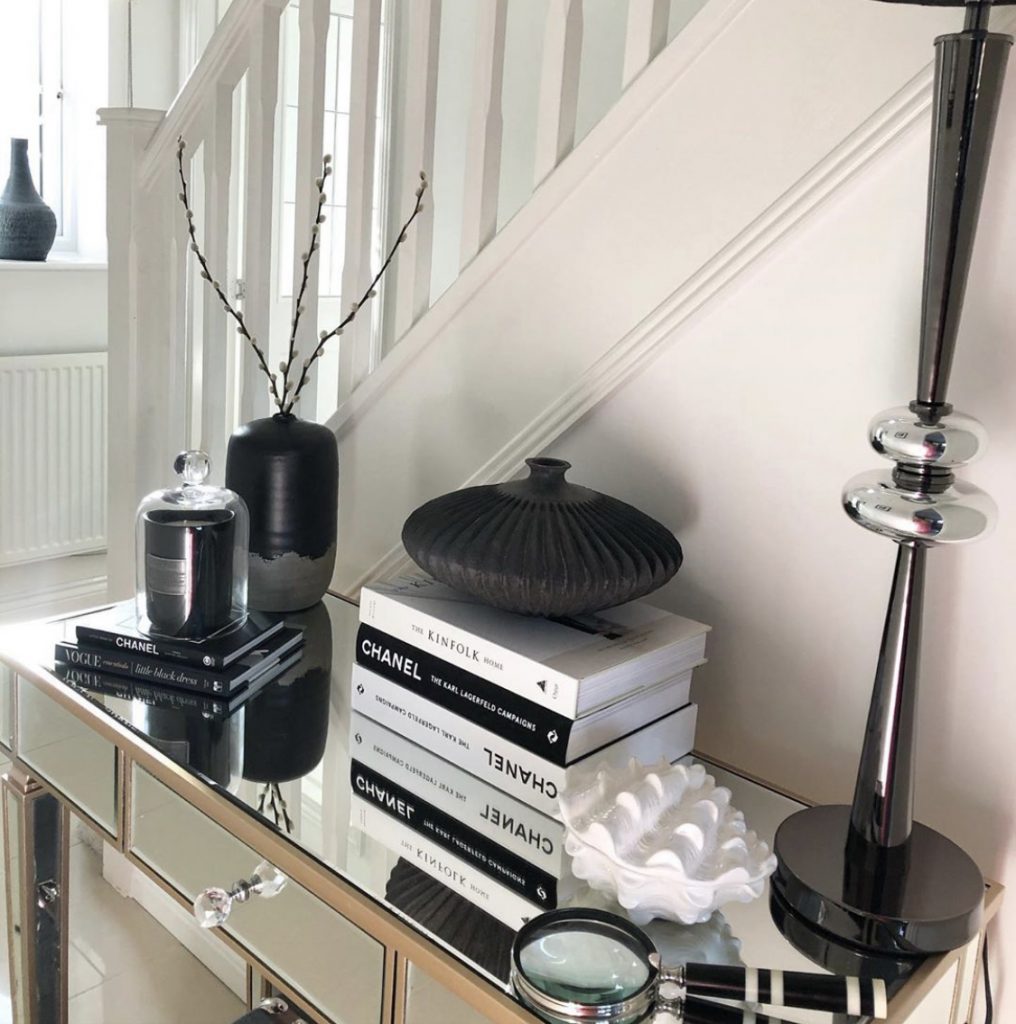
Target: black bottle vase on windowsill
<point>27,224</point>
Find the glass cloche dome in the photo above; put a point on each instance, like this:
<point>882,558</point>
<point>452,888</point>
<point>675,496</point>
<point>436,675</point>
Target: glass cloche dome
<point>191,556</point>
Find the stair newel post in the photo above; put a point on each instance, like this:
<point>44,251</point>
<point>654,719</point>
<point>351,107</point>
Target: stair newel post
<point>128,131</point>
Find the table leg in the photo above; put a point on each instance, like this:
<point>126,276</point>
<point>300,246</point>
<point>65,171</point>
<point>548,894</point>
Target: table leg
<point>36,829</point>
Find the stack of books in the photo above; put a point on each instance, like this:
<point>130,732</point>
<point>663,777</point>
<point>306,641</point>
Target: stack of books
<point>213,676</point>
<point>471,721</point>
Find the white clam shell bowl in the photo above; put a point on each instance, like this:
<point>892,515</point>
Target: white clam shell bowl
<point>663,840</point>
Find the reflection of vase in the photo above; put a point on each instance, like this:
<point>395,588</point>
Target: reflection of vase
<point>286,724</point>
<point>210,746</point>
<point>27,224</point>
<point>287,471</point>
<point>541,546</point>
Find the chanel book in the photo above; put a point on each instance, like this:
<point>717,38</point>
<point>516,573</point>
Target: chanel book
<point>529,725</point>
<point>262,658</point>
<point>572,666</point>
<point>114,629</point>
<point>491,757</point>
<point>515,827</point>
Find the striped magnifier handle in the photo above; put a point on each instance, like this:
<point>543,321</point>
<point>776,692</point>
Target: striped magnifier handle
<point>829,992</point>
<point>701,1011</point>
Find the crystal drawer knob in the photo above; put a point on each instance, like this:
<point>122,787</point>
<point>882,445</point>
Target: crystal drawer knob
<point>212,906</point>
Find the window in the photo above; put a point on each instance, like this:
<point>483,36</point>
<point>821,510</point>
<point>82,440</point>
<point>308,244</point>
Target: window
<point>53,73</point>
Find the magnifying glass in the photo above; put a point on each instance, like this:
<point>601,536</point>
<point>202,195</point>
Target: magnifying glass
<point>579,965</point>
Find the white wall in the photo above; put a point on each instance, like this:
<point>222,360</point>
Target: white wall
<point>742,431</point>
<point>55,309</point>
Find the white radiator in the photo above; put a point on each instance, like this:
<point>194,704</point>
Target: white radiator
<point>52,456</point>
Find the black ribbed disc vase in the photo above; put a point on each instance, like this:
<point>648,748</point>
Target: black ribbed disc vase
<point>542,545</point>
<point>287,471</point>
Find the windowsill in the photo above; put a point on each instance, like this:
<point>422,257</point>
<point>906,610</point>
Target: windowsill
<point>56,261</point>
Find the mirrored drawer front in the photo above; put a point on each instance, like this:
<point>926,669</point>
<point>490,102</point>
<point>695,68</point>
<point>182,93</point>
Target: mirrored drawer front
<point>6,706</point>
<point>429,1002</point>
<point>337,967</point>
<point>64,752</point>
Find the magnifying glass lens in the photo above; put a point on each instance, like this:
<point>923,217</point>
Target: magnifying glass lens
<point>584,964</point>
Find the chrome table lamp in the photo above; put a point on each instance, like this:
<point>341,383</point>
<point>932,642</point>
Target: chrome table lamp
<point>869,875</point>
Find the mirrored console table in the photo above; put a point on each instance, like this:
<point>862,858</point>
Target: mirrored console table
<point>359,934</point>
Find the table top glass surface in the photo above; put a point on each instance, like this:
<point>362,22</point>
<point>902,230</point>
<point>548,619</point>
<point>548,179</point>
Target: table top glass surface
<point>285,755</point>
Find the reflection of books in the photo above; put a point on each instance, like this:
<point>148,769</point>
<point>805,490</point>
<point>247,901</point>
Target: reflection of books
<point>115,629</point>
<point>511,825</point>
<point>478,849</point>
<point>187,702</point>
<point>263,658</point>
<point>460,876</point>
<point>544,732</point>
<point>489,756</point>
<point>450,917</point>
<point>572,666</point>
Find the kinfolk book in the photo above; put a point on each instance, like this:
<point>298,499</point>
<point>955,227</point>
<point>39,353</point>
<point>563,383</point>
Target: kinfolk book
<point>571,667</point>
<point>536,728</point>
<point>498,761</point>
<point>114,629</point>
<point>262,658</point>
<point>511,825</point>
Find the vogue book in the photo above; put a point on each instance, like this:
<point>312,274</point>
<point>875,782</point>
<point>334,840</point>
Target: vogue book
<point>529,725</point>
<point>263,658</point>
<point>571,666</point>
<point>495,759</point>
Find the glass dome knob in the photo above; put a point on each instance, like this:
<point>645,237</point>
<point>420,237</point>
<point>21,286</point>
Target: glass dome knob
<point>192,467</point>
<point>212,907</point>
<point>269,879</point>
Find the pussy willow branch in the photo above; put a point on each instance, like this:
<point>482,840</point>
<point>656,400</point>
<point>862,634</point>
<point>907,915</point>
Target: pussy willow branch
<point>369,293</point>
<point>286,397</point>
<point>206,273</point>
<point>315,244</point>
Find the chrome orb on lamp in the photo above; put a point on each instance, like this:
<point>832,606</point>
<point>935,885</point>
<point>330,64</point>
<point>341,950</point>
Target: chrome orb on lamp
<point>869,875</point>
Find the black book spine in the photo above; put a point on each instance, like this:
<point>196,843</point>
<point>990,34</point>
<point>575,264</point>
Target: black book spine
<point>148,670</point>
<point>511,870</point>
<point>533,728</point>
<point>164,650</point>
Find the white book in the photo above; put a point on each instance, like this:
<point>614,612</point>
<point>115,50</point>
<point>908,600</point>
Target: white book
<point>571,667</point>
<point>517,827</point>
<point>504,765</point>
<point>462,878</point>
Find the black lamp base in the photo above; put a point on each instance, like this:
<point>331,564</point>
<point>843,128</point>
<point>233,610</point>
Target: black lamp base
<point>925,896</point>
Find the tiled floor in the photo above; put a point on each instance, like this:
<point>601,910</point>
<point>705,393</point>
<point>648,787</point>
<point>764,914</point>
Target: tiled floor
<point>125,968</point>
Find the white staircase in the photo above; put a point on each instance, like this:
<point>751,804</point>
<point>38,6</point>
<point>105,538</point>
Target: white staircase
<point>543,274</point>
<point>394,87</point>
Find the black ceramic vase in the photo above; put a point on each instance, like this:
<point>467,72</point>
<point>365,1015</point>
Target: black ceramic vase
<point>541,546</point>
<point>27,224</point>
<point>287,471</point>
